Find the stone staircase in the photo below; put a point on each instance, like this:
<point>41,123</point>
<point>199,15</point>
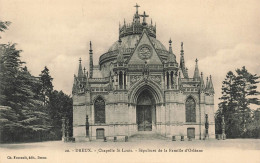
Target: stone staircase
<point>147,135</point>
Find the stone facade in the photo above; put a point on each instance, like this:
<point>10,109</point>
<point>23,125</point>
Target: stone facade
<point>139,86</point>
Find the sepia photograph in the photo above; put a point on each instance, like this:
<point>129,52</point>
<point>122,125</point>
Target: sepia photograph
<point>129,81</point>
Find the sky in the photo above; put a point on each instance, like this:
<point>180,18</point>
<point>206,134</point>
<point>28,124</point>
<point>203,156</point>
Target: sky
<point>223,35</point>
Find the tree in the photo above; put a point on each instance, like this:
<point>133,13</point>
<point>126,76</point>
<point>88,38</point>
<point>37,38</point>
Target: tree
<point>47,87</point>
<point>247,94</point>
<point>29,109</point>
<point>34,119</point>
<point>4,26</point>
<point>9,124</point>
<point>60,106</point>
<point>254,125</point>
<point>228,106</point>
<point>10,65</point>
<point>238,92</point>
<point>17,92</point>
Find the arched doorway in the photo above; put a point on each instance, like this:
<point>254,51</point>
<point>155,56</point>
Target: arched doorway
<point>145,111</point>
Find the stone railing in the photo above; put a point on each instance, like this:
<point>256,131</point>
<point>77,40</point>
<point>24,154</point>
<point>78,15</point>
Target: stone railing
<point>172,87</point>
<point>190,89</point>
<point>141,66</point>
<point>113,54</point>
<point>189,80</point>
<point>171,65</point>
<point>108,54</point>
<point>99,80</point>
<point>137,28</point>
<point>162,52</point>
<point>99,89</point>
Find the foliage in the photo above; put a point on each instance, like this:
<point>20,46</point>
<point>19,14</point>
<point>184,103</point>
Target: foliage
<point>46,87</point>
<point>29,108</point>
<point>60,107</point>
<point>4,26</point>
<point>238,92</point>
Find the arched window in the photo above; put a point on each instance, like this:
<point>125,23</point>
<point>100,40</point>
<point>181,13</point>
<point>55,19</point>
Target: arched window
<point>124,81</point>
<point>190,107</point>
<point>171,80</point>
<point>167,75</point>
<point>120,80</point>
<point>99,107</point>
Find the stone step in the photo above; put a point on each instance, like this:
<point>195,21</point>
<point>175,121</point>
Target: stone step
<point>147,135</point>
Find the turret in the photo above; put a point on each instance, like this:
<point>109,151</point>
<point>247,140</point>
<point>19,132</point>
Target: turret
<point>171,58</point>
<point>196,75</point>
<point>90,61</point>
<point>136,27</point>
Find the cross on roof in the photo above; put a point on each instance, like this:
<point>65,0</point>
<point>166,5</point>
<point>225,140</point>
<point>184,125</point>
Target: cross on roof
<point>136,6</point>
<point>144,17</point>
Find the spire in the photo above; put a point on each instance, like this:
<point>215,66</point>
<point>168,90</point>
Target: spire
<point>202,86</point>
<point>196,75</point>
<point>179,80</point>
<point>84,70</point>
<point>74,85</point>
<point>171,57</point>
<point>210,85</point>
<point>120,57</point>
<point>182,63</point>
<point>90,60</point>
<point>170,45</point>
<point>182,51</point>
<point>207,84</point>
<point>80,72</point>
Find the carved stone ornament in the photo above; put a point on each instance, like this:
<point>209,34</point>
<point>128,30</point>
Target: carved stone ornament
<point>145,52</point>
<point>156,78</point>
<point>81,86</point>
<point>134,79</point>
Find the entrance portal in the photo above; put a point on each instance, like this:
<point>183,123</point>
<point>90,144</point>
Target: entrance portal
<point>145,111</point>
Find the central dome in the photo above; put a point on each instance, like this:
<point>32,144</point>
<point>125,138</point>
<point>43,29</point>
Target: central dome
<point>129,36</point>
<point>130,41</point>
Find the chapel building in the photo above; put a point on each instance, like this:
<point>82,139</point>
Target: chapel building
<point>139,87</point>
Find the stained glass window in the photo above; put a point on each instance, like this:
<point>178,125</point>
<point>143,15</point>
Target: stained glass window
<point>190,107</point>
<point>99,106</point>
